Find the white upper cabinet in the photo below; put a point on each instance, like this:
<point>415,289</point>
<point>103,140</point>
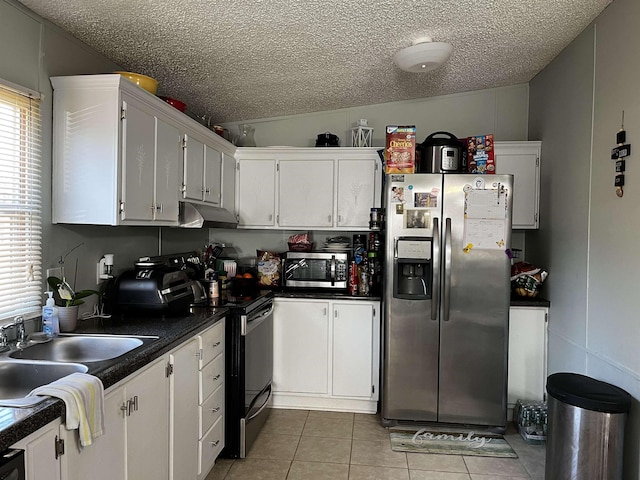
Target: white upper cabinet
<point>256,192</point>
<point>358,191</point>
<point>321,188</point>
<point>522,160</point>
<point>168,170</point>
<point>138,158</point>
<point>121,156</point>
<point>228,184</point>
<point>305,193</point>
<point>202,171</point>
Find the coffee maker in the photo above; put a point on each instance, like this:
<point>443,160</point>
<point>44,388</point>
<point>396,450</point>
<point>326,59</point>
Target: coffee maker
<point>412,268</point>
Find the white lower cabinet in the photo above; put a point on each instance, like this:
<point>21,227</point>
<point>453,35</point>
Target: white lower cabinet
<point>42,461</point>
<point>326,354</point>
<point>164,422</point>
<point>527,354</point>
<point>301,346</point>
<point>211,397</point>
<point>136,430</point>
<point>183,408</point>
<point>105,459</point>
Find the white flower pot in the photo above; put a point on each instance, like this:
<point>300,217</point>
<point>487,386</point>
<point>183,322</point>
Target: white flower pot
<point>68,318</point>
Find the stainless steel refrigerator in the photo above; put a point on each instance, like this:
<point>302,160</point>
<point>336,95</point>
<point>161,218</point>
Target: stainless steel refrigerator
<point>446,299</point>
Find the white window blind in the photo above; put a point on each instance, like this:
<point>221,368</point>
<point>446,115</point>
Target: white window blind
<point>20,204</point>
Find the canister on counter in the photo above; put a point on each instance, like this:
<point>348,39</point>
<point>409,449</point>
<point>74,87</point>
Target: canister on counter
<point>213,287</point>
<point>376,218</point>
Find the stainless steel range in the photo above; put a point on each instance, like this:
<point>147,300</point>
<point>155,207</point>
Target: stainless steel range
<point>249,369</point>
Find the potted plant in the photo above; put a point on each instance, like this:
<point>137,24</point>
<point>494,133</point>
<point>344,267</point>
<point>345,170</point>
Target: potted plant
<point>67,300</point>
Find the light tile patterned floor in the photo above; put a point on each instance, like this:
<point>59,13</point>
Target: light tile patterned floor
<point>313,445</point>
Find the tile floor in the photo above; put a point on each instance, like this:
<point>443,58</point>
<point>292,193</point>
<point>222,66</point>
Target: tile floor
<point>314,445</point>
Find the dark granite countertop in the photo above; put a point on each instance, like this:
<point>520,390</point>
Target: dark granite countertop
<point>517,301</point>
<point>17,423</point>
<point>322,294</point>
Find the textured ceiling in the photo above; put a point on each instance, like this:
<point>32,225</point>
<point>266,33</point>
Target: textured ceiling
<point>250,59</point>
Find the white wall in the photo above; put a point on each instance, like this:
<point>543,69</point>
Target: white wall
<point>501,111</point>
<point>589,236</point>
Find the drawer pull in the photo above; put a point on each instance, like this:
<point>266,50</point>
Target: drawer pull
<point>216,377</point>
<point>215,410</point>
<point>217,344</point>
<point>215,444</point>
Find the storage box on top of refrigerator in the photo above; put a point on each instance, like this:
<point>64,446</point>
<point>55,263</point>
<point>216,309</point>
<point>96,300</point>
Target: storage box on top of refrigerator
<point>446,299</point>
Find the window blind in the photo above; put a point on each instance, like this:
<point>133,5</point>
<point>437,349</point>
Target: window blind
<point>20,204</point>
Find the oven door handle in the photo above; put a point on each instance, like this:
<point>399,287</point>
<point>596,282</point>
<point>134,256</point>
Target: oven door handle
<point>246,324</point>
<point>263,406</point>
<point>244,421</point>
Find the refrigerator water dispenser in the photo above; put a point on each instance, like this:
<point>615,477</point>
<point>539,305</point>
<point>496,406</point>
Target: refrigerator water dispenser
<point>412,269</point>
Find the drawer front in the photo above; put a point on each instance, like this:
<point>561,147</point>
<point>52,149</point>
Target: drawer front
<point>211,377</point>
<point>210,446</point>
<point>211,343</point>
<point>210,410</point>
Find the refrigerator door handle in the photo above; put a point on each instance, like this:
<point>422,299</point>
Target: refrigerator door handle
<point>435,297</point>
<point>446,298</point>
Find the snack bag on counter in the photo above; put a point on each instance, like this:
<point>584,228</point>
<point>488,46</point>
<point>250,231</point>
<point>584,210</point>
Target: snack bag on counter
<point>269,269</point>
<point>526,280</point>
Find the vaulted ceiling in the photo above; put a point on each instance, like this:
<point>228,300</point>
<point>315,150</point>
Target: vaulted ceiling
<point>248,59</point>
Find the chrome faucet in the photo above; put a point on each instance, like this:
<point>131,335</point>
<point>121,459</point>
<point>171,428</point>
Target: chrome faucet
<point>21,340</point>
<point>4,341</point>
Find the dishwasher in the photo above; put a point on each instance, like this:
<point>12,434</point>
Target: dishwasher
<point>12,465</point>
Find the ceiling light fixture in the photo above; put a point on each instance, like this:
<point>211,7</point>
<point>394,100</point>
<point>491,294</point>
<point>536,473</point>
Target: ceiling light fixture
<point>423,55</point>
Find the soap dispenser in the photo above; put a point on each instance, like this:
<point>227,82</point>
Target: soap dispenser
<point>50,322</point>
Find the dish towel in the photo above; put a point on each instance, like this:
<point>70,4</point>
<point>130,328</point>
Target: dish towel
<point>83,395</point>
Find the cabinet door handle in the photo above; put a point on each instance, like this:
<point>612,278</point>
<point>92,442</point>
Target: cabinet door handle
<point>129,407</point>
<point>215,444</point>
<point>217,344</point>
<point>125,408</point>
<point>216,377</point>
<point>135,403</point>
<point>159,208</point>
<point>215,410</point>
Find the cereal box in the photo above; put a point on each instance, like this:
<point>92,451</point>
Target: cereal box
<point>480,155</point>
<point>400,151</point>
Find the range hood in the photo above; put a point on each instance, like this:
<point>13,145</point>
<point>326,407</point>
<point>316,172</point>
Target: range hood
<point>194,215</point>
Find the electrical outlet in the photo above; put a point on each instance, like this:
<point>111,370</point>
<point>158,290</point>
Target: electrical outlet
<point>54,272</point>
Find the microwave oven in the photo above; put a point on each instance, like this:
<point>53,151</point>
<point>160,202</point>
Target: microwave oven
<point>316,270</point>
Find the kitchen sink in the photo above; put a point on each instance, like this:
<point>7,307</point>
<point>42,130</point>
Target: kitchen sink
<point>18,378</point>
<point>81,348</point>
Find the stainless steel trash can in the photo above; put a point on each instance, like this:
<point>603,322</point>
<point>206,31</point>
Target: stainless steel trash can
<point>586,428</point>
